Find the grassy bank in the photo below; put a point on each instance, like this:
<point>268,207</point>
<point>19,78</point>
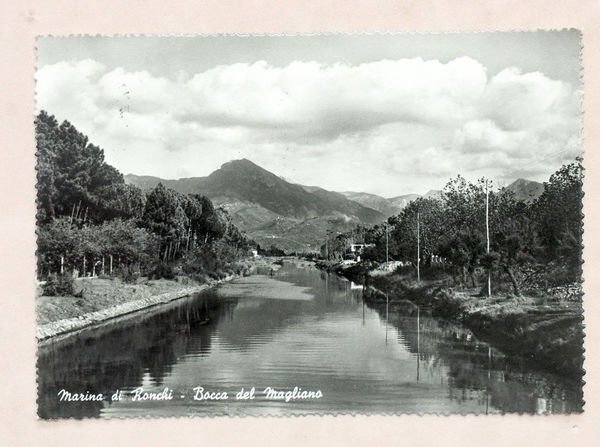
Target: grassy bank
<point>99,299</point>
<point>102,293</point>
<point>545,329</point>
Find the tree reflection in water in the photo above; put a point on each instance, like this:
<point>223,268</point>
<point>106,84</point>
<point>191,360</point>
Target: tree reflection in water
<point>119,358</point>
<point>332,341</point>
<point>478,371</point>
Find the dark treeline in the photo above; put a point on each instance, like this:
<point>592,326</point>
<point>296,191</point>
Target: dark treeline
<point>532,244</point>
<point>90,221</point>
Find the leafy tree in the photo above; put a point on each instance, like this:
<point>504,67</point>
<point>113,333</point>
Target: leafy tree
<point>464,249</point>
<point>120,200</point>
<point>46,127</point>
<point>209,227</point>
<point>193,206</point>
<point>232,235</point>
<point>165,217</point>
<point>126,242</point>
<point>514,241</point>
<point>404,233</point>
<point>559,217</point>
<point>335,246</point>
<point>60,238</point>
<point>123,239</point>
<point>71,171</point>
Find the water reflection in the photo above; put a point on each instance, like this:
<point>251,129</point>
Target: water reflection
<point>393,358</point>
<point>120,358</point>
<point>475,370</point>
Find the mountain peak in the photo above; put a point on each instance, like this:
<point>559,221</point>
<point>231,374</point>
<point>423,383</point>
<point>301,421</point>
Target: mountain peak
<point>246,171</point>
<point>521,181</point>
<point>242,167</point>
<point>526,190</point>
<point>242,163</point>
<point>239,162</point>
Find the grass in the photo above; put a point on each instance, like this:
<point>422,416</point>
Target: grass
<point>90,295</point>
<point>97,294</point>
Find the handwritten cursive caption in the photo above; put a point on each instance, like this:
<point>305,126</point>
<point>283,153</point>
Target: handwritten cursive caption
<point>199,393</point>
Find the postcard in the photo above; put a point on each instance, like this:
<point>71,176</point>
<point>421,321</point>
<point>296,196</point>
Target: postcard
<point>258,225</point>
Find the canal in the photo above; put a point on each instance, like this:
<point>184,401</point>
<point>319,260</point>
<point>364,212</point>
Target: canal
<point>295,327</point>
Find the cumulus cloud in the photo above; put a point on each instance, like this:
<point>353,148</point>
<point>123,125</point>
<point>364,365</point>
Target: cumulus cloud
<point>387,127</point>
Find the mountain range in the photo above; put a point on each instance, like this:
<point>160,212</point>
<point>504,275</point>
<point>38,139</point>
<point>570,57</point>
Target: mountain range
<point>524,190</point>
<point>270,209</point>
<point>274,211</point>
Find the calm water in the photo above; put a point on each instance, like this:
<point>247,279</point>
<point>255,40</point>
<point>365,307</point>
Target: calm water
<point>296,328</point>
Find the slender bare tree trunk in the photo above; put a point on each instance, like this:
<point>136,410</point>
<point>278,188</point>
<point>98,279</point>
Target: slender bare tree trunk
<point>513,280</point>
<point>472,276</point>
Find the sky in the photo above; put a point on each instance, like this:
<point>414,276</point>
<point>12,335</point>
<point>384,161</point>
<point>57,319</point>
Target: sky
<point>387,114</point>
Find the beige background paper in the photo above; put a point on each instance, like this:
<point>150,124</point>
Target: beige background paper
<point>22,20</point>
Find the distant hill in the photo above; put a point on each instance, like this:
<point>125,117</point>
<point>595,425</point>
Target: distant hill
<point>400,202</point>
<point>433,194</point>
<point>392,206</point>
<point>387,207</point>
<point>268,208</point>
<point>381,204</point>
<point>526,190</point>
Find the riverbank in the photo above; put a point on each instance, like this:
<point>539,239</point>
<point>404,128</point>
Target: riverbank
<point>546,330</point>
<point>98,300</point>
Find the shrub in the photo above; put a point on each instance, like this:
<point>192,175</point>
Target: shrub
<point>59,285</point>
<point>213,260</point>
<point>128,274</point>
<point>163,270</point>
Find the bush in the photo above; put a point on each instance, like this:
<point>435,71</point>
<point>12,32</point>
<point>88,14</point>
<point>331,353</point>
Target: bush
<point>59,285</point>
<point>214,260</point>
<point>163,270</point>
<point>433,272</point>
<point>128,274</point>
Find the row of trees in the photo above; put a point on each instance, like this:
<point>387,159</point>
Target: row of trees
<point>87,216</point>
<point>532,241</point>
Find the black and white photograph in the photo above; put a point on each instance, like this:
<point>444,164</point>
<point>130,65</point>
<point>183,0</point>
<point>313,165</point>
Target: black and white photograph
<point>309,224</point>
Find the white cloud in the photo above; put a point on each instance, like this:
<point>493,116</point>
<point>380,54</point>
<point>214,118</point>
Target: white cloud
<point>388,127</point>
